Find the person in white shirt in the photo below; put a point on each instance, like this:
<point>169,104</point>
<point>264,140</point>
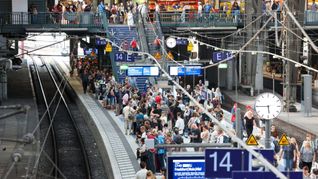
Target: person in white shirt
<point>180,124</point>
<point>125,99</point>
<point>144,11</point>
<point>127,112</point>
<point>200,11</point>
<point>130,19</point>
<point>157,8</point>
<point>142,173</point>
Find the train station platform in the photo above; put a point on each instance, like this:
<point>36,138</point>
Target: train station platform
<point>21,104</point>
<point>117,150</point>
<point>291,123</point>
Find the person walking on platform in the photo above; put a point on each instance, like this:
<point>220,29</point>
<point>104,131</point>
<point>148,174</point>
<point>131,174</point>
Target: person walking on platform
<point>85,80</point>
<point>249,121</point>
<point>142,173</point>
<point>129,115</point>
<point>289,154</point>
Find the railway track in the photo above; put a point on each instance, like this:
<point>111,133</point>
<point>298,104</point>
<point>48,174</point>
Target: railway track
<point>63,153</point>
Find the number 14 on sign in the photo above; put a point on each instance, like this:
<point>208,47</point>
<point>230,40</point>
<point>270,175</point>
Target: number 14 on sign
<point>221,163</point>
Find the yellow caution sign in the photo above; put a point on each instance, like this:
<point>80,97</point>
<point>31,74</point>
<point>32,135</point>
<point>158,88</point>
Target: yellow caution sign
<point>157,56</point>
<point>108,47</point>
<point>251,140</point>
<point>93,54</point>
<point>190,47</point>
<point>283,140</point>
<point>170,56</point>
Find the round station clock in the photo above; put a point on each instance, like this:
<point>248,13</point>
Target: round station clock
<point>171,42</point>
<point>268,105</point>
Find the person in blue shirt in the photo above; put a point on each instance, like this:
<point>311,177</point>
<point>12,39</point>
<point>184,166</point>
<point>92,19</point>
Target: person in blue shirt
<point>207,8</point>
<point>289,154</point>
<point>139,119</point>
<point>235,11</point>
<point>160,139</point>
<point>102,11</point>
<point>101,7</point>
<point>276,7</point>
<point>314,6</point>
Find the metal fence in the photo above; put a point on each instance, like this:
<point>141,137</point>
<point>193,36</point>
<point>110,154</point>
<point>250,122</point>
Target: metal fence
<point>66,19</point>
<point>193,19</point>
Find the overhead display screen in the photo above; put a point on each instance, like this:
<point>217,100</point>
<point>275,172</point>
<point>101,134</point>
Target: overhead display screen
<point>186,167</point>
<point>88,51</point>
<point>143,71</point>
<point>195,70</point>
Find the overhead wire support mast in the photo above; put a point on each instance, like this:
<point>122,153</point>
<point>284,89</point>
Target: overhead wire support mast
<point>255,51</point>
<point>290,14</point>
<point>234,137</point>
<point>243,47</point>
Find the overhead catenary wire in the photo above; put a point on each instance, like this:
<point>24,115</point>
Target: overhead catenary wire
<point>243,47</point>
<point>163,47</point>
<point>232,34</point>
<point>290,14</point>
<point>253,51</point>
<point>45,46</point>
<point>227,131</point>
<point>238,31</point>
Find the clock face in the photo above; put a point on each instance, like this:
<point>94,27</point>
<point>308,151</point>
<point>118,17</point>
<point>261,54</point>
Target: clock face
<point>268,106</point>
<point>171,42</point>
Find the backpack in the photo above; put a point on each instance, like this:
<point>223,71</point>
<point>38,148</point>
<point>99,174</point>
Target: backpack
<point>160,140</point>
<point>226,139</point>
<point>178,139</point>
<point>277,147</point>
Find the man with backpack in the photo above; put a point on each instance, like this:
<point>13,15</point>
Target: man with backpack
<point>195,135</point>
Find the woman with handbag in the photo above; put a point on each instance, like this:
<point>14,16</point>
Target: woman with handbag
<point>142,151</point>
<point>307,156</point>
<point>129,115</point>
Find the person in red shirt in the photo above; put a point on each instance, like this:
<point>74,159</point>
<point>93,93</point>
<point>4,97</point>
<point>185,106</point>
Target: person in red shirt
<point>158,99</point>
<point>134,45</point>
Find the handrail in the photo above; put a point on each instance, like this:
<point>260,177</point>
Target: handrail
<point>166,18</point>
<point>142,34</point>
<point>66,19</point>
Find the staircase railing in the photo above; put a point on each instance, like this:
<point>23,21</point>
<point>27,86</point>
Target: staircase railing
<point>158,26</point>
<point>142,35</point>
<point>144,42</point>
<point>104,22</point>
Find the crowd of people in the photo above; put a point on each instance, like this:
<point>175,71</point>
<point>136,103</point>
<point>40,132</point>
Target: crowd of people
<point>79,11</point>
<point>127,12</point>
<point>165,116</point>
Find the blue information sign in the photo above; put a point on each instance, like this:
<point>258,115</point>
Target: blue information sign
<point>194,70</point>
<point>219,56</point>
<point>130,58</point>
<point>120,57</point>
<point>123,57</point>
<point>186,167</point>
<point>88,51</point>
<point>182,41</point>
<point>135,71</point>
<point>264,175</point>
<point>143,71</point>
<point>248,163</point>
<point>100,41</point>
<point>221,162</point>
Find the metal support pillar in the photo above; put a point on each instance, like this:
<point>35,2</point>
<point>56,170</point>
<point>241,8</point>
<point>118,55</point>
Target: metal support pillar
<point>230,72</point>
<point>307,96</point>
<point>268,134</point>
<point>73,54</point>
<point>238,124</point>
<point>3,85</point>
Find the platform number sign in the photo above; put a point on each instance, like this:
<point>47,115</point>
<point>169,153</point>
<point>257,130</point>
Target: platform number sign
<point>120,57</point>
<point>221,163</point>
